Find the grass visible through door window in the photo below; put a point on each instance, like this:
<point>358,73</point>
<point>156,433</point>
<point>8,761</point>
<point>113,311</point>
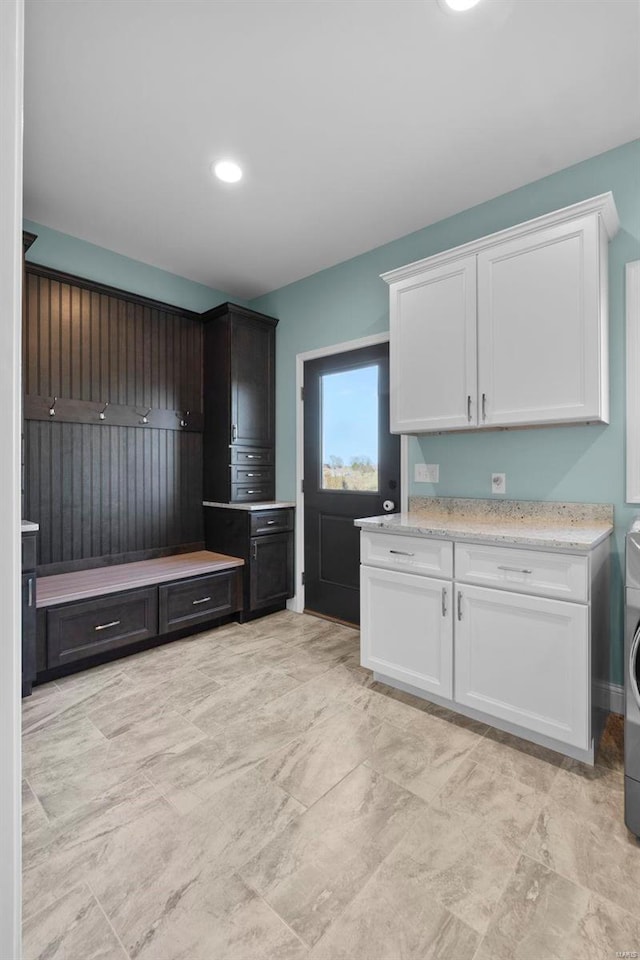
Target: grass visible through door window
<point>350,430</point>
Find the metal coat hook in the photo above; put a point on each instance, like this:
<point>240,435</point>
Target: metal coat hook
<point>52,408</point>
<point>184,422</point>
<point>103,412</point>
<point>145,416</point>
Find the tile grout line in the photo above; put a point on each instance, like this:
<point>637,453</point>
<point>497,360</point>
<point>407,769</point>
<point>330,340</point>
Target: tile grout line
<point>38,800</point>
<point>106,916</point>
<point>272,909</point>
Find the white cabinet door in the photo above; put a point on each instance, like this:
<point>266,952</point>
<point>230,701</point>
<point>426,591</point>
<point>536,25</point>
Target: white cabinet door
<point>406,628</point>
<point>542,352</point>
<point>525,660</point>
<point>433,349</point>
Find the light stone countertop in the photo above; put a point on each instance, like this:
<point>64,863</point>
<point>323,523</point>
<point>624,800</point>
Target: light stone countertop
<point>551,526</point>
<point>29,527</point>
<point>265,505</point>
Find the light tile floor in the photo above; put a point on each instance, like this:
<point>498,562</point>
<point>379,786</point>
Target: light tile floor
<point>252,793</point>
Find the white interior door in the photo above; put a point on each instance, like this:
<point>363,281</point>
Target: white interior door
<point>525,660</point>
<point>406,628</point>
<point>433,349</point>
<point>539,327</point>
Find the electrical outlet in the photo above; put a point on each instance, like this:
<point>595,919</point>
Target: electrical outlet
<point>426,473</point>
<point>499,483</point>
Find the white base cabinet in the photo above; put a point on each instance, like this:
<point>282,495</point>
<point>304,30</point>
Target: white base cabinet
<point>526,660</point>
<point>510,652</point>
<point>406,628</point>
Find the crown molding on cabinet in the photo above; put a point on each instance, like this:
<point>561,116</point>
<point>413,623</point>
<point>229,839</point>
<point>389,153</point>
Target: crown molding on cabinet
<point>603,204</point>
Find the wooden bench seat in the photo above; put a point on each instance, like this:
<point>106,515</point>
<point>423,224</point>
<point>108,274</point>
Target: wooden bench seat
<point>85,584</point>
<point>87,614</point>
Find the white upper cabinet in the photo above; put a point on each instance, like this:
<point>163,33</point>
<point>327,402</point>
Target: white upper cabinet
<point>433,349</point>
<point>507,330</point>
<point>542,349</point>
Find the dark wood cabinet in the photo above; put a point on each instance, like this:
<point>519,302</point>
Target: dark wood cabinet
<point>29,615</point>
<point>265,541</point>
<point>239,403</point>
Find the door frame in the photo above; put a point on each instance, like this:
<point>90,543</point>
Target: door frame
<point>297,602</point>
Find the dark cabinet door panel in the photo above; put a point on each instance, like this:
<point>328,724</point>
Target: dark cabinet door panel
<point>271,570</point>
<point>252,378</point>
<point>199,599</point>
<point>80,630</point>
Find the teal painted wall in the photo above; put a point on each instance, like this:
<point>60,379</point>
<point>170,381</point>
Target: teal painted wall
<point>72,255</point>
<point>350,300</point>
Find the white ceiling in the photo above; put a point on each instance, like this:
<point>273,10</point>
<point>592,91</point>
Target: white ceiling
<point>356,121</point>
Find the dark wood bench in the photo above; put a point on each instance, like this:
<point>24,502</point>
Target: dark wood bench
<point>86,614</point>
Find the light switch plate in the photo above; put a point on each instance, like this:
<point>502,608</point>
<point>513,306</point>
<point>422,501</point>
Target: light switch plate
<point>426,473</point>
<point>499,483</point>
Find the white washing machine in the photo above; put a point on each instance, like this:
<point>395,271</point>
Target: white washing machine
<point>632,682</point>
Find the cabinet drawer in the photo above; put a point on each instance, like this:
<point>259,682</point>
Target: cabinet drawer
<point>79,630</point>
<point>251,492</point>
<point>524,571</point>
<point>28,551</point>
<point>271,521</point>
<point>252,475</point>
<point>251,456</point>
<point>421,555</point>
<point>198,599</point>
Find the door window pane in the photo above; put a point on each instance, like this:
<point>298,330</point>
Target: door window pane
<point>350,429</point>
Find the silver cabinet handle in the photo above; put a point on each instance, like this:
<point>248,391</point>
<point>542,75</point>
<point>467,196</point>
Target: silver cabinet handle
<point>204,600</point>
<point>484,406</point>
<point>254,491</point>
<point>234,432</point>
<point>469,408</point>
<point>459,604</point>
<point>254,551</point>
<point>271,522</point>
<point>105,626</point>
<point>515,569</point>
<point>254,456</point>
<point>402,553</point>
<point>254,476</point>
<point>30,591</point>
<point>444,601</point>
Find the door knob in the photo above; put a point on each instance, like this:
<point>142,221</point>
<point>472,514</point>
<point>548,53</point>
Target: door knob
<point>388,506</point>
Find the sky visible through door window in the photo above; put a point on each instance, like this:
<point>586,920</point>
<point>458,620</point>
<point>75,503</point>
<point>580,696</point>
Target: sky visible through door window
<point>350,429</point>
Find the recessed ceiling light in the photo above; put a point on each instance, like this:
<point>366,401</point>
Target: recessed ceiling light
<point>457,6</point>
<point>227,170</point>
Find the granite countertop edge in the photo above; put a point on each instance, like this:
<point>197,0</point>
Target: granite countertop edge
<point>265,505</point>
<point>561,539</point>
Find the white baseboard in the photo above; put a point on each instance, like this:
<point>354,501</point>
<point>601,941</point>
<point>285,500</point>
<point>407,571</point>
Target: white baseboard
<point>609,696</point>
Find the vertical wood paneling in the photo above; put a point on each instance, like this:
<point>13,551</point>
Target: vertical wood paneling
<point>98,489</point>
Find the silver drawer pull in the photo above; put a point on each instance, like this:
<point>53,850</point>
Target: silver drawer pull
<point>444,601</point>
<point>254,476</point>
<point>515,569</point>
<point>402,553</point>
<point>105,626</point>
<point>254,491</point>
<point>204,600</point>
<point>254,456</point>
<point>271,522</point>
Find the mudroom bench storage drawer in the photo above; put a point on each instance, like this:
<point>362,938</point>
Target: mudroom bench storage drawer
<point>196,600</point>
<point>80,630</point>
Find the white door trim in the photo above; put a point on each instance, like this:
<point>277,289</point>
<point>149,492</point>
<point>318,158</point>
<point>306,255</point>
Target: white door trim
<point>633,380</point>
<point>297,602</point>
<point>11,98</point>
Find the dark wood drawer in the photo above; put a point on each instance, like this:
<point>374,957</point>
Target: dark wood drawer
<point>271,521</point>
<point>251,456</point>
<point>199,599</point>
<point>79,630</point>
<point>251,492</point>
<point>29,552</point>
<point>252,475</point>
